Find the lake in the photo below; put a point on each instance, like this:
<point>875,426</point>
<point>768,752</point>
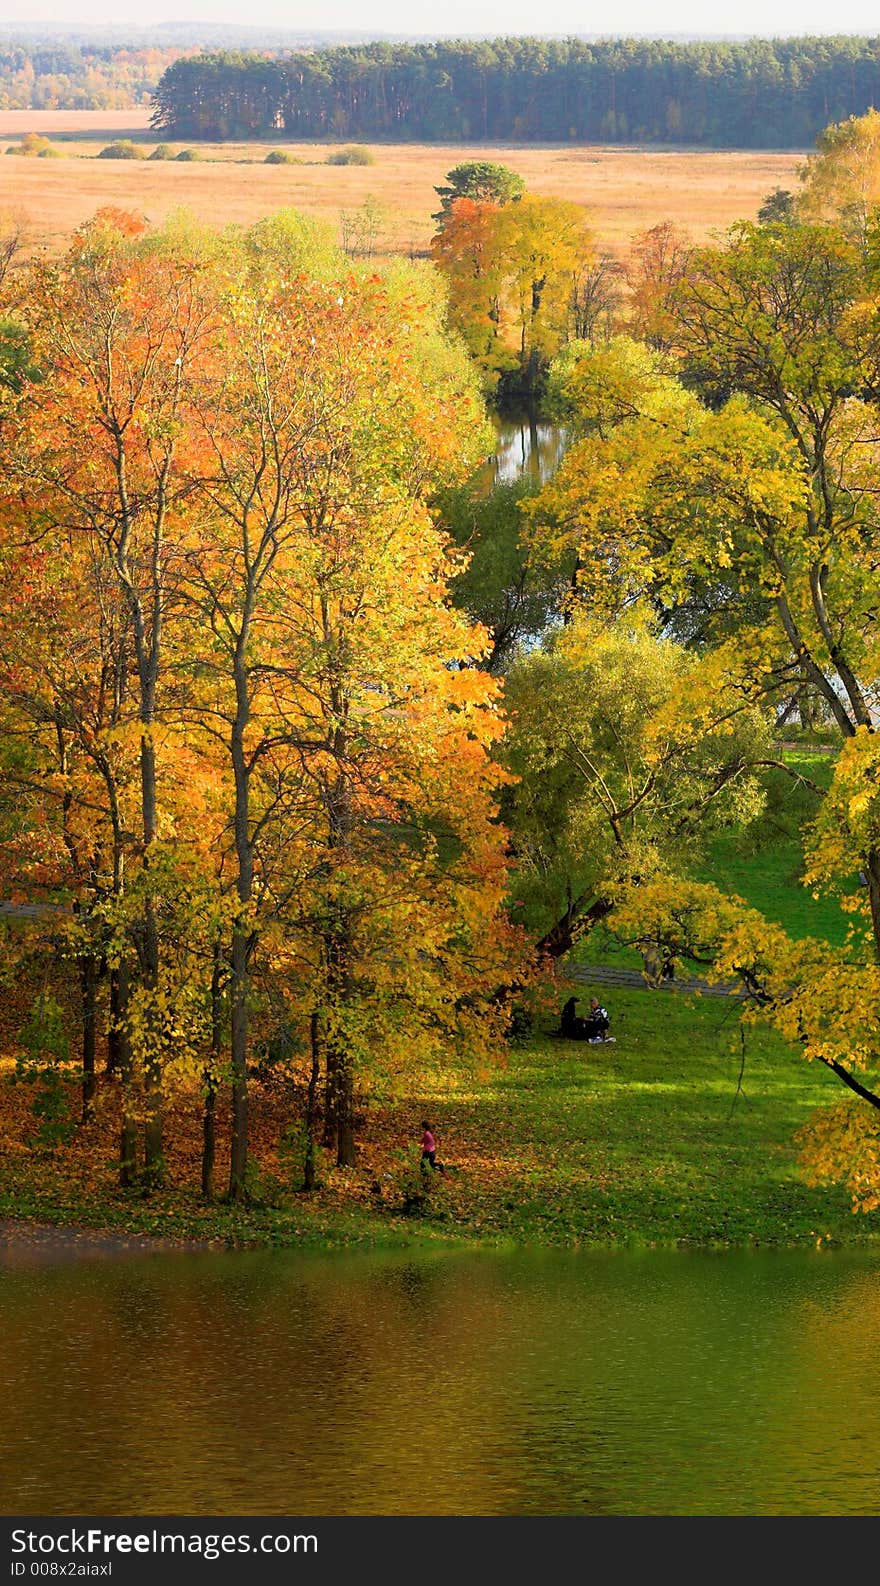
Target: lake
<point>531,1382</point>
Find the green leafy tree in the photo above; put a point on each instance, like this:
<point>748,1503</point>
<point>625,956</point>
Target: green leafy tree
<point>480,180</point>
<point>624,759</point>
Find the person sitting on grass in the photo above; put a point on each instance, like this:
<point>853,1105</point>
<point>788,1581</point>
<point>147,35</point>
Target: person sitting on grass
<point>597,1022</point>
<point>429,1150</point>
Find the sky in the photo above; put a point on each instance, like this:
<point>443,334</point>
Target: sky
<point>667,18</point>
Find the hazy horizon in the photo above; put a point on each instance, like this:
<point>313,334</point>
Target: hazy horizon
<point>456,18</point>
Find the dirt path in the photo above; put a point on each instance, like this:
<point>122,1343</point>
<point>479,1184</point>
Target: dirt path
<point>606,975</point>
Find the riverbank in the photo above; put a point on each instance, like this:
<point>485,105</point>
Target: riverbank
<point>24,1242</point>
<point>682,1133</point>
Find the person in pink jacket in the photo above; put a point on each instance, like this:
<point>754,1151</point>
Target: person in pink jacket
<point>429,1148</point>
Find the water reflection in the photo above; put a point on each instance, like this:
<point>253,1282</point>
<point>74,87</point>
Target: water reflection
<point>535,1383</point>
<point>526,447</point>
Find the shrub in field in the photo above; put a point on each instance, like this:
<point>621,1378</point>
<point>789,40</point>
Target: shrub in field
<point>162,151</point>
<point>352,154</point>
<point>280,157</point>
<point>121,149</point>
<point>188,154</point>
<point>34,145</point>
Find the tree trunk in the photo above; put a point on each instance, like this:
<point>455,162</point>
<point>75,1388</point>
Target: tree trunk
<point>88,983</point>
<point>239,1151</point>
<point>113,1065</point>
<point>154,1166</point>
<point>574,924</point>
<point>209,1136</point>
<point>311,1106</point>
<point>873,874</point>
<point>345,1151</point>
<point>330,1133</point>
<point>807,710</point>
<point>128,1140</point>
<point>339,1119</point>
<point>241,937</point>
<point>337,947</point>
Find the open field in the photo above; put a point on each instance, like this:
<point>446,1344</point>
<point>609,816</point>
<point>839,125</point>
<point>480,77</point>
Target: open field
<point>625,189</point>
<point>75,123</point>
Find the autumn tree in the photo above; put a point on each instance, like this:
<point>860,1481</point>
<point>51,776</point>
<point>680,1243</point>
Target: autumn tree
<point>768,498</point>
<point>782,316</point>
<point>841,181</point>
<point>626,761</point>
<point>67,771</point>
<point>500,585</point>
<point>330,414</point>
<point>598,294</point>
<point>775,506</point>
<point>542,244</point>
<point>114,326</point>
<point>657,263</point>
<point>480,180</point>
<point>466,253</point>
<point>778,207</point>
<point>512,272</point>
<point>248,723</point>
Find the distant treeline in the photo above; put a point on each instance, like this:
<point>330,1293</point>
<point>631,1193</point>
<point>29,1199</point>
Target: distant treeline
<point>55,74</point>
<point>104,67</point>
<point>759,93</point>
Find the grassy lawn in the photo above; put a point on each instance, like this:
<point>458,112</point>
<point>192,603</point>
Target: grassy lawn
<point>766,866</point>
<point>652,1140</point>
<point>763,865</point>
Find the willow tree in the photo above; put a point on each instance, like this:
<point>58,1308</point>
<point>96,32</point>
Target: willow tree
<point>626,761</point>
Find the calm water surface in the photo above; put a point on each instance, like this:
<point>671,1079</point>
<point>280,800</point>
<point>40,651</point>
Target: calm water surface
<point>527,447</point>
<point>530,1383</point>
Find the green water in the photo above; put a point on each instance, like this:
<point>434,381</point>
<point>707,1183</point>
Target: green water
<point>531,1383</point>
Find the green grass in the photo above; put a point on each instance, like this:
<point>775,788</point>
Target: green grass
<point>675,1135</point>
<point>763,865</point>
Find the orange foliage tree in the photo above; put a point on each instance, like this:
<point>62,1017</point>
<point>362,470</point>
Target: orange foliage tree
<point>514,273</point>
<point>222,470</point>
<point>94,464</point>
<point>332,668</point>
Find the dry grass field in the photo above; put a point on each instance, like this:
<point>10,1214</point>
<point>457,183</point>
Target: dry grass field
<point>624,189</point>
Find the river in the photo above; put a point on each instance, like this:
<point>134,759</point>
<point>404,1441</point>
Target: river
<point>526,446</point>
<point>532,1382</point>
